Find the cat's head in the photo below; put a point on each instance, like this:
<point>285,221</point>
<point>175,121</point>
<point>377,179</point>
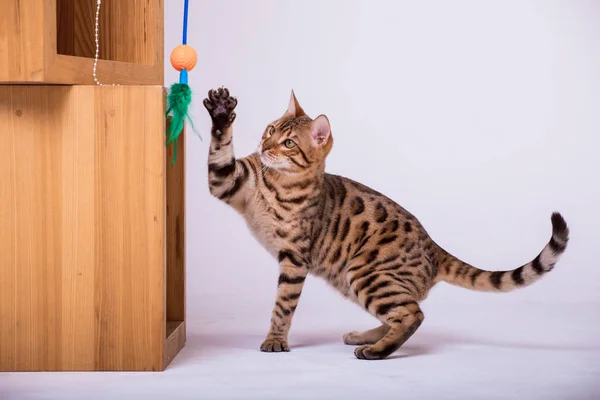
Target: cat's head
<point>295,143</point>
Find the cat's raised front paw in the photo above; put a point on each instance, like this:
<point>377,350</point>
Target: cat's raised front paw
<point>220,106</point>
<point>274,346</point>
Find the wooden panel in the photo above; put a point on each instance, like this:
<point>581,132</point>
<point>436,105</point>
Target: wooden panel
<point>21,41</point>
<point>123,37</point>
<point>75,27</point>
<point>84,17</point>
<point>30,246</point>
<point>129,31</point>
<point>52,41</point>
<point>130,188</point>
<point>8,217</point>
<point>82,238</point>
<point>65,17</point>
<point>131,43</point>
<point>176,232</point>
<point>78,240</point>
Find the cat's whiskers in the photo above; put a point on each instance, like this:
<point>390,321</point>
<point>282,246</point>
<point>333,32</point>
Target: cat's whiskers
<point>264,167</point>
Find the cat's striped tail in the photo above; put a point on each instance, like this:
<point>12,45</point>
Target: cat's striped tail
<point>459,273</point>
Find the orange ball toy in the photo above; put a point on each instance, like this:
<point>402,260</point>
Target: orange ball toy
<point>184,57</point>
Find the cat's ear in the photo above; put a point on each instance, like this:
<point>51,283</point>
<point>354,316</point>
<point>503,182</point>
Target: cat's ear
<point>320,131</point>
<point>294,108</point>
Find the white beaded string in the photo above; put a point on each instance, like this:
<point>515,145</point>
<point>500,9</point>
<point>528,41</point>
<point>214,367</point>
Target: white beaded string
<point>98,3</point>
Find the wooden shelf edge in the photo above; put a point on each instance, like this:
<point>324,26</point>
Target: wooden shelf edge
<point>78,71</point>
<point>174,341</point>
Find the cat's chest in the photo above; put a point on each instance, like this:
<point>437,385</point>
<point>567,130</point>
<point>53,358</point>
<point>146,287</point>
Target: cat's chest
<point>266,225</point>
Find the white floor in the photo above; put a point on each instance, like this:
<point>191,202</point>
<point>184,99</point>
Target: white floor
<point>538,351</point>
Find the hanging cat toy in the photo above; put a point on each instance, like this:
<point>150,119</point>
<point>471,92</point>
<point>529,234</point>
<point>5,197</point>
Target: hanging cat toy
<point>183,59</point>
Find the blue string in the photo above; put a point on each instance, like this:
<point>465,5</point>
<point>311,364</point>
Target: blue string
<point>183,76</point>
<point>185,18</point>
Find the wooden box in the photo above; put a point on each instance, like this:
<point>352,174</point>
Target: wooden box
<point>92,232</point>
<point>53,41</point>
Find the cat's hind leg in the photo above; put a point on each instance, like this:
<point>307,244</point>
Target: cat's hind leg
<point>403,317</point>
<point>392,297</point>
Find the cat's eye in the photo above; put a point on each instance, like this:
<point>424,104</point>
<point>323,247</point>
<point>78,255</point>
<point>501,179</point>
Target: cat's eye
<point>271,131</point>
<point>289,143</point>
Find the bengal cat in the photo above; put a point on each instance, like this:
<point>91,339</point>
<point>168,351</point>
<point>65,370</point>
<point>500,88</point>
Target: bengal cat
<point>366,246</point>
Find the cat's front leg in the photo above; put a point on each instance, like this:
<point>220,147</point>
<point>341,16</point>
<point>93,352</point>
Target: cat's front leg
<point>228,178</point>
<point>293,271</point>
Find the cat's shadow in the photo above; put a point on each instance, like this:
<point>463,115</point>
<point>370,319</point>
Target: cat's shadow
<point>314,340</point>
<point>441,339</point>
<point>204,346</point>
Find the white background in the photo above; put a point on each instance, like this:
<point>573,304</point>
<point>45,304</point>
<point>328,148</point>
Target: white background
<point>480,117</point>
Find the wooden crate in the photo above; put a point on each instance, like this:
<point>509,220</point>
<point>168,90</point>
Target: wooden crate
<point>92,233</point>
<point>52,41</point>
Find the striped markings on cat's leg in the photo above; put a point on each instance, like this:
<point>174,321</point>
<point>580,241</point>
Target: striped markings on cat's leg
<point>388,296</point>
<point>404,319</point>
<point>228,178</point>
<point>367,337</point>
<point>223,169</point>
<point>292,275</point>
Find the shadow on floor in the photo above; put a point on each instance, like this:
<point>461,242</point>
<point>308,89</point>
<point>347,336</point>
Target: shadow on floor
<point>423,343</point>
<point>206,346</point>
<point>442,339</point>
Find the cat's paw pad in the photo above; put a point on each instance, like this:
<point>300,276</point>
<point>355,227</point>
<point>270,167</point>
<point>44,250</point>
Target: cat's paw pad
<point>220,106</point>
<point>366,353</point>
<point>354,338</point>
<point>274,346</point>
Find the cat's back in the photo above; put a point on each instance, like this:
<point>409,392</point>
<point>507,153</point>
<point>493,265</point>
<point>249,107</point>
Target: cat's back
<point>359,199</point>
<point>356,218</point>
